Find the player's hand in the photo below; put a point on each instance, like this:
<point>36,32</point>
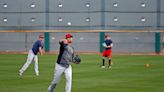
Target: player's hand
<point>43,51</point>
<point>64,41</point>
<point>41,54</point>
<point>108,47</point>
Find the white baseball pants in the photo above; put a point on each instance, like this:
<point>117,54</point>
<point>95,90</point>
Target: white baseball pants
<point>59,70</point>
<point>30,58</point>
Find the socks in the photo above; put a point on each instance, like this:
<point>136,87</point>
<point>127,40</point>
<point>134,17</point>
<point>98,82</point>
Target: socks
<point>103,62</point>
<point>109,62</point>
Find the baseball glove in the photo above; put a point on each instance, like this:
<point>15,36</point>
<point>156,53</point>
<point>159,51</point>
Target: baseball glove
<point>77,59</point>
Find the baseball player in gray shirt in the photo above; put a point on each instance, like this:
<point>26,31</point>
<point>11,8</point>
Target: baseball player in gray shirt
<point>63,65</point>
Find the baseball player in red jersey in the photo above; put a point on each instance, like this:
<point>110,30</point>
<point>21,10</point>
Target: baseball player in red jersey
<point>108,44</point>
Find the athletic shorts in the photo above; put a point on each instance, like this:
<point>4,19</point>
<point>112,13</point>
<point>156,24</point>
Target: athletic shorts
<point>107,53</point>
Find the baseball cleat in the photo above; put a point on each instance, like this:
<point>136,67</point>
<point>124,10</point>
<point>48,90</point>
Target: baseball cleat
<point>20,73</point>
<point>102,66</point>
<point>37,74</point>
<point>109,67</point>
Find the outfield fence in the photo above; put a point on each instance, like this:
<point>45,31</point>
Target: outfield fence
<point>124,42</point>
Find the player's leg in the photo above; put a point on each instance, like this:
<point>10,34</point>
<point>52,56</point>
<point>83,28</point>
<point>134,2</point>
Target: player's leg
<point>103,62</point>
<point>36,68</point>
<point>57,75</point>
<point>103,59</point>
<point>109,59</point>
<point>28,62</point>
<point>68,75</point>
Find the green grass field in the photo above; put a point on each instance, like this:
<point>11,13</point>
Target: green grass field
<point>128,74</point>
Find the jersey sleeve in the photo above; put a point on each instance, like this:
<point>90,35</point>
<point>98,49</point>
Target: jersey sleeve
<point>111,42</point>
<point>62,44</point>
<point>104,44</point>
<point>40,44</point>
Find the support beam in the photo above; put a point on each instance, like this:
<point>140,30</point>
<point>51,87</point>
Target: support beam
<point>157,42</point>
<point>102,34</point>
<point>47,41</point>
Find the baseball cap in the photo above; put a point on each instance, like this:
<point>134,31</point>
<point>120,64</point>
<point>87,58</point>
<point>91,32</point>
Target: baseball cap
<point>41,36</point>
<point>68,36</point>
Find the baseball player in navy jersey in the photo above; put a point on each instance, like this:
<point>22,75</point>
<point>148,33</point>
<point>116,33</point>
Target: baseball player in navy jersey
<point>32,55</point>
<point>63,64</point>
<point>108,44</point>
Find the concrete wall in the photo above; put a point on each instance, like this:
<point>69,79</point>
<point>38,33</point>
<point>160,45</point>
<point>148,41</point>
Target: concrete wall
<point>133,42</point>
<point>17,41</point>
<point>83,42</point>
<point>81,14</point>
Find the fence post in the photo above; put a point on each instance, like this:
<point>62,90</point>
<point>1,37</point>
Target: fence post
<point>158,42</point>
<point>102,34</point>
<point>47,41</point>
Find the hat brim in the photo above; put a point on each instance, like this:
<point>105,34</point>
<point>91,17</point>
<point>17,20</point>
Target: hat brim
<point>70,37</point>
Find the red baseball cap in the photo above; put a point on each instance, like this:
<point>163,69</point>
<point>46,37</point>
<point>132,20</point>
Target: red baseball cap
<point>68,36</point>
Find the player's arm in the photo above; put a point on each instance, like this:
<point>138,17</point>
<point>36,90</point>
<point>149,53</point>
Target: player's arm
<point>41,51</point>
<point>104,45</point>
<point>110,46</point>
<point>63,41</point>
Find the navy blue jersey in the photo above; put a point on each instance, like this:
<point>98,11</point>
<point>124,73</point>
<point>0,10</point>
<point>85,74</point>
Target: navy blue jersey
<point>108,43</point>
<point>36,46</point>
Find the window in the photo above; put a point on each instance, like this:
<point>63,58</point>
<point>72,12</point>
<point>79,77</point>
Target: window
<point>33,19</point>
<point>60,5</point>
<point>32,5</point>
<point>5,20</point>
<point>115,4</point>
<point>87,19</point>
<point>143,19</point>
<point>60,19</point>
<point>5,5</point>
<point>69,23</point>
<point>115,19</point>
<point>87,5</point>
<point>143,5</point>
